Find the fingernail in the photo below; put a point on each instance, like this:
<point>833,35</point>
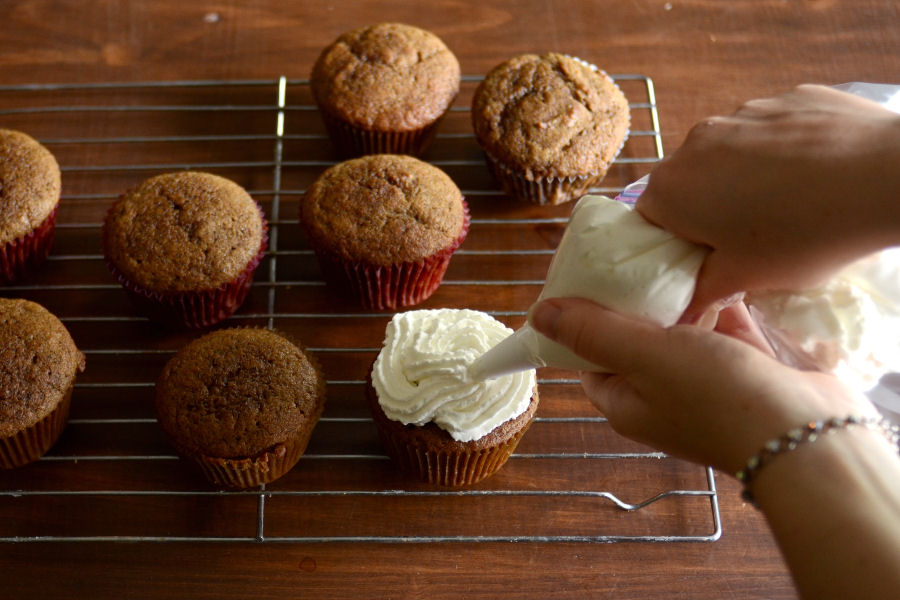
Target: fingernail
<point>545,318</point>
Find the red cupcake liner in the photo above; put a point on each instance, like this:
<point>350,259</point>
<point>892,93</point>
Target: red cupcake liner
<point>395,286</point>
<point>19,256</point>
<point>192,309</point>
<point>456,464</point>
<point>32,443</point>
<point>352,141</point>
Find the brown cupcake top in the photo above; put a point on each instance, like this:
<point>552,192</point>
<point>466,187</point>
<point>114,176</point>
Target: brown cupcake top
<point>29,184</point>
<point>386,77</point>
<point>235,393</point>
<point>383,209</point>
<point>184,231</point>
<point>38,363</point>
<point>550,115</point>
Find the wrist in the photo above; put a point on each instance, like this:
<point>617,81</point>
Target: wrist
<point>837,468</point>
<point>835,505</point>
<point>807,434</point>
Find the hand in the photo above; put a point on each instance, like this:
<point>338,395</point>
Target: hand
<point>712,397</point>
<point>785,191</point>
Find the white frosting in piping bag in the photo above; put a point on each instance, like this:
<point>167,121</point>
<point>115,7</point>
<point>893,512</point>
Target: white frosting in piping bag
<point>610,254</point>
<point>421,373</point>
<point>850,326</point>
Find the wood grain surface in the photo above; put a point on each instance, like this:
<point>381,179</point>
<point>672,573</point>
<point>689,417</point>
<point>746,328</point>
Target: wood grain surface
<point>704,57</point>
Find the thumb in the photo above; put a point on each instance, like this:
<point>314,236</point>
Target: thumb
<point>618,343</point>
<point>716,287</point>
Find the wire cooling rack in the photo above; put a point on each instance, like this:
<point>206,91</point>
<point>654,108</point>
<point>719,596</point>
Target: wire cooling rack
<point>112,477</point>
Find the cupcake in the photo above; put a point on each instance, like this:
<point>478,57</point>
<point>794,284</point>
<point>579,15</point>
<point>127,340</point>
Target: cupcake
<point>39,363</point>
<point>435,423</point>
<point>29,188</point>
<point>384,228</point>
<point>549,126</point>
<point>384,89</point>
<point>240,404</point>
<point>184,246</point>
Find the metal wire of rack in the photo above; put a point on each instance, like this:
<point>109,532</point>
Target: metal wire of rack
<point>98,465</point>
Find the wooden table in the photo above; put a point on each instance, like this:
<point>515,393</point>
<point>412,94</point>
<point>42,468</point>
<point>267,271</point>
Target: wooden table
<point>343,523</point>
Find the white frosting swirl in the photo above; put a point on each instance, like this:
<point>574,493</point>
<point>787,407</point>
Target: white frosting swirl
<point>421,373</point>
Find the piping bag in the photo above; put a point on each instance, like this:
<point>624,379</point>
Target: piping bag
<point>609,254</point>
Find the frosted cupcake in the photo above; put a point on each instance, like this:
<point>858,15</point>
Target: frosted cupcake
<point>434,422</point>
<point>185,246</point>
<point>29,188</point>
<point>549,125</point>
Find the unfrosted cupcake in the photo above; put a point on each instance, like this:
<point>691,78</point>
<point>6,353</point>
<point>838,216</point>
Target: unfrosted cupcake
<point>384,227</point>
<point>435,422</point>
<point>184,246</point>
<point>29,197</point>
<point>384,88</point>
<point>549,125</point>
<point>240,404</point>
<point>39,364</point>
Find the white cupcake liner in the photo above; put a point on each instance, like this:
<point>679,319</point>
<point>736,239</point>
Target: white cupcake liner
<point>541,190</point>
<point>254,471</point>
<point>352,141</point>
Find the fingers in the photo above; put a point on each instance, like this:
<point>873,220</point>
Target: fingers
<point>710,126</point>
<point>716,287</point>
<point>599,390</point>
<point>735,321</point>
<point>762,108</point>
<point>680,186</point>
<point>597,334</point>
<point>625,409</point>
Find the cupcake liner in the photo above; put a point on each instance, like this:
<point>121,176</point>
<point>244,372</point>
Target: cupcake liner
<point>192,309</point>
<point>265,467</point>
<point>394,286</point>
<point>18,256</point>
<point>453,464</point>
<point>448,469</point>
<point>542,190</point>
<point>30,444</point>
<point>552,189</point>
<point>352,141</point>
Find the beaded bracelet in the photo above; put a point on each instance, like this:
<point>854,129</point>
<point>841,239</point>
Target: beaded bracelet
<point>808,433</point>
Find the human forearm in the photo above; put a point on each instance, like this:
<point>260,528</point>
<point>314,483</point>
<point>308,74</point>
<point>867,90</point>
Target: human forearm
<point>834,507</point>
